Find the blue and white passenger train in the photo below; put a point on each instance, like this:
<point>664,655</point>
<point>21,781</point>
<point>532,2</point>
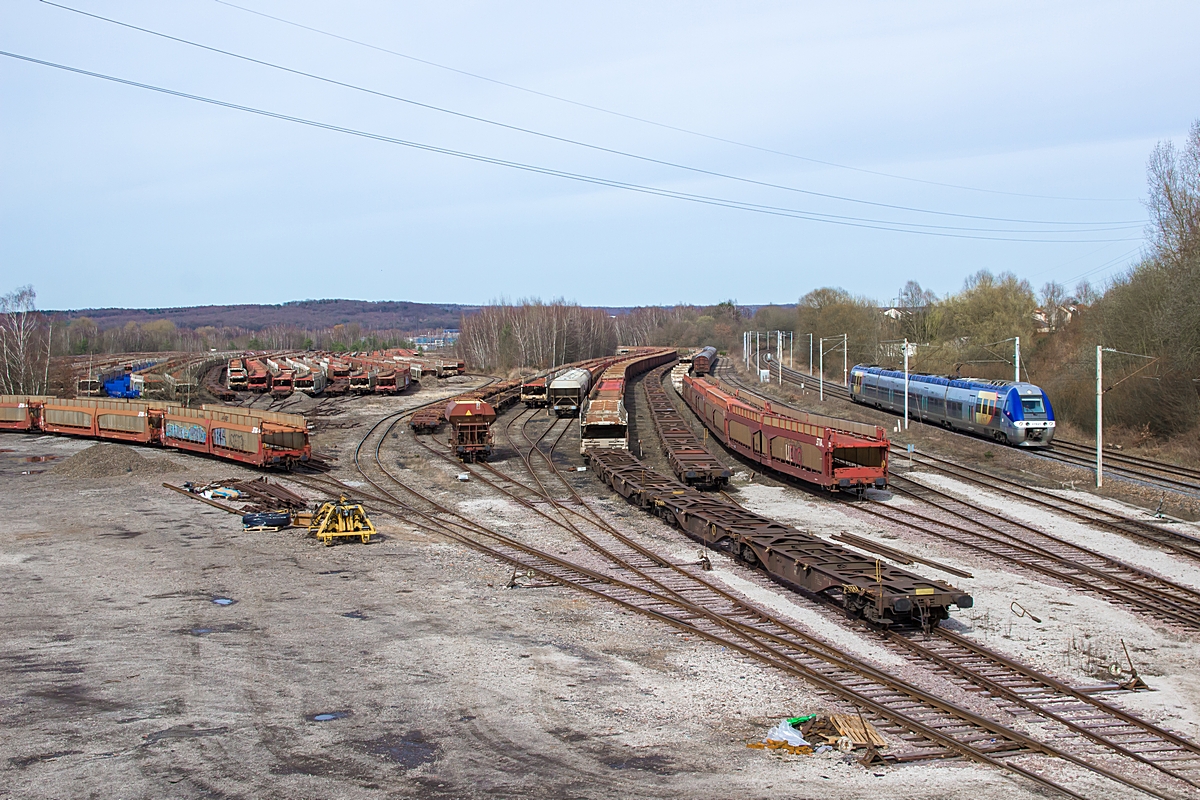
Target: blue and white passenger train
<point>1007,411</point>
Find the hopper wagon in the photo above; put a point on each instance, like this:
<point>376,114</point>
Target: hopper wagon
<point>470,429</point>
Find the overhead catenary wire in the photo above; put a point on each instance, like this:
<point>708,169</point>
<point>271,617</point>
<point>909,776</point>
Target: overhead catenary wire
<point>664,125</point>
<point>695,198</point>
<point>1111,226</point>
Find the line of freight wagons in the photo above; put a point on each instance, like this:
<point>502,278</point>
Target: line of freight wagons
<point>258,438</point>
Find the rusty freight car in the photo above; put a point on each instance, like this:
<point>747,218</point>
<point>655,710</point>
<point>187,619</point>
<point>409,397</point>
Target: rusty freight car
<point>604,420</point>
<point>862,585</point>
<point>703,361</point>
<point>258,438</point>
<point>470,429</point>
<point>835,454</point>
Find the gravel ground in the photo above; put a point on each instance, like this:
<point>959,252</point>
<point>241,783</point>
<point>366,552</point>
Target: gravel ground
<point>404,668</point>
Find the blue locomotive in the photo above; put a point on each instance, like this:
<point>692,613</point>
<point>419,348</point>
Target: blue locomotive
<point>1007,411</point>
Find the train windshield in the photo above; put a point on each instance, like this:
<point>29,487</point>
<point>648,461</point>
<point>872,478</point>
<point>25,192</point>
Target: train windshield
<point>1033,407</point>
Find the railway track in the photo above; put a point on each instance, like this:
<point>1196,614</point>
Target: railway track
<point>924,724</point>
<point>1150,472</point>
<point>1161,534</point>
<point>1023,689</point>
<point>1011,541</point>
<point>1147,470</point>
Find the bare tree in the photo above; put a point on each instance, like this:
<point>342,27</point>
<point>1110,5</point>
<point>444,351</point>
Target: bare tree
<point>1053,298</point>
<point>1174,202</point>
<point>21,349</point>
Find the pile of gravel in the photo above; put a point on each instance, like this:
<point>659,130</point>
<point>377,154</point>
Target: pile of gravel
<point>106,460</point>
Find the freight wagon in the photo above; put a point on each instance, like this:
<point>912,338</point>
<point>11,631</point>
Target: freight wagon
<point>1007,411</point>
<point>257,438</point>
<point>470,429</point>
<point>258,379</point>
<point>362,382</point>
<point>283,383</point>
<point>835,454</point>
<point>704,360</point>
<point>568,391</point>
<point>604,420</point>
<point>235,376</point>
<point>310,377</point>
<point>864,586</point>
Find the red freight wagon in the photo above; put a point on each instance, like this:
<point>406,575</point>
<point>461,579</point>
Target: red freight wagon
<point>470,429</point>
<point>836,454</point>
<point>19,412</point>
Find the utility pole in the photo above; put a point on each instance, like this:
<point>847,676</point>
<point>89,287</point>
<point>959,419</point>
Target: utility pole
<point>779,355</point>
<point>821,349</point>
<point>810,355</point>
<point>845,360</point>
<point>1099,416</point>
<point>791,346</point>
<point>906,384</point>
<point>1017,358</point>
<point>757,342</point>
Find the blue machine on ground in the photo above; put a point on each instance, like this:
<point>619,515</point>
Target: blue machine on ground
<point>122,384</point>
<point>1007,411</point>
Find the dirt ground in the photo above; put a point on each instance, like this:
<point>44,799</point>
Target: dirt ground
<point>404,668</point>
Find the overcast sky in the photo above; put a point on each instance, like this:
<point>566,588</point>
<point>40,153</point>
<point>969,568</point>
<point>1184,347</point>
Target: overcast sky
<point>120,196</point>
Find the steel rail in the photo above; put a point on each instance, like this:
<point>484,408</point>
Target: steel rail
<point>815,674</point>
<point>1117,523</point>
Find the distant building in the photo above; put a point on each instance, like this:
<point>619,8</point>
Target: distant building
<point>446,338</point>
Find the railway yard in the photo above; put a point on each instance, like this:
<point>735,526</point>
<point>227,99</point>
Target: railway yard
<point>616,586</point>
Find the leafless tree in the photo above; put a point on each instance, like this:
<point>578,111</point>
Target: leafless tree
<point>24,344</point>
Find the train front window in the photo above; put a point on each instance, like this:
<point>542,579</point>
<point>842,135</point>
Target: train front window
<point>1033,407</point>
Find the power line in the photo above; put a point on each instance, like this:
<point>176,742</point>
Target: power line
<point>696,198</point>
<point>664,125</point>
<point>1095,226</point>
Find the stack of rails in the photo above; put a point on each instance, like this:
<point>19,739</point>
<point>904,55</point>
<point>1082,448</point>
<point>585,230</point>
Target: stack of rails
<point>258,438</point>
<point>863,586</point>
<point>835,454</point>
<point>704,360</point>
<point>690,462</point>
<point>214,386</point>
<point>604,419</point>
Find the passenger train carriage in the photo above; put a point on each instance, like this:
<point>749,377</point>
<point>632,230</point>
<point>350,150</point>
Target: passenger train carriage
<point>1007,411</point>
